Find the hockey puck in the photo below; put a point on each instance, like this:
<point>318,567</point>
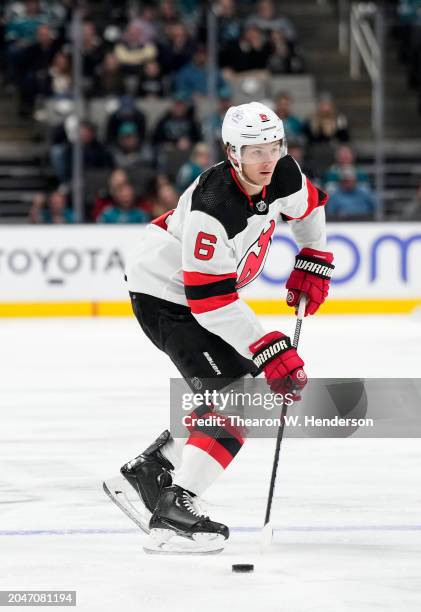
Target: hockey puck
<point>243,568</point>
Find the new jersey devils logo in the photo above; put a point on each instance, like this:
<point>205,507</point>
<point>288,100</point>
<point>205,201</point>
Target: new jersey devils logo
<point>255,258</point>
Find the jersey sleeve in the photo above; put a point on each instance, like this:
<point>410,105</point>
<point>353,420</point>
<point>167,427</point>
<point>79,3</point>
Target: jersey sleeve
<point>303,197</point>
<point>210,276</point>
<point>310,232</point>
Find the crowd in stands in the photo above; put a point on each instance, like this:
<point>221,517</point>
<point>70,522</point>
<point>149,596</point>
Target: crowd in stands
<point>408,31</point>
<point>158,51</point>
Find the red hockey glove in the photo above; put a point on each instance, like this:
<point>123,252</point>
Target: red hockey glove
<point>311,275</point>
<point>277,358</point>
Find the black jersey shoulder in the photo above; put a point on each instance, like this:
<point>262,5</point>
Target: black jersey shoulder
<point>286,180</point>
<point>217,195</point>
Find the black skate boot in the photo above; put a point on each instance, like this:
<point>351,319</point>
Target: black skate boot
<point>147,474</point>
<point>177,526</point>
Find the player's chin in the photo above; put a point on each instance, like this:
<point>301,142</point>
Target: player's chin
<point>265,178</point>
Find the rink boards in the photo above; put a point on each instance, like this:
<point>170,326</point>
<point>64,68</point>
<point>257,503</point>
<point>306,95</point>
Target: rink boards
<point>79,270</point>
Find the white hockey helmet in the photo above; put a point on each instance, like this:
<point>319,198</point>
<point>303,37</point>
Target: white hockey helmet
<point>252,123</point>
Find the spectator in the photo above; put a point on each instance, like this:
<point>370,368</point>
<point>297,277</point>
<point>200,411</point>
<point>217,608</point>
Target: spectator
<point>126,112</point>
<point>192,79</point>
<point>282,59</point>
<point>190,11</point>
<point>297,151</point>
<point>326,125</point>
<point>134,49</point>
<point>412,210</point>
<point>36,60</point>
<point>293,126</point>
<point>229,29</point>
<point>344,159</point>
<point>23,24</point>
<point>409,16</point>
<point>109,77</point>
<point>177,50</point>
<point>168,14</point>
<point>129,151</point>
<point>58,211</point>
<point>148,23</point>
<point>95,155</point>
<point>166,199</point>
<point>124,209</point>
<point>228,25</point>
<point>157,181</point>
<point>92,49</point>
<point>117,178</point>
<point>350,202</point>
<point>251,52</point>
<point>60,75</point>
<point>151,83</point>
<point>198,162</point>
<point>177,128</point>
<point>212,124</point>
<point>54,12</point>
<point>20,32</point>
<point>266,21</point>
<point>36,212</point>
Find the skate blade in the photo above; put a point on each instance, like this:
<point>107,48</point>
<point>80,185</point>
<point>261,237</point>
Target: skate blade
<point>126,498</point>
<point>166,542</point>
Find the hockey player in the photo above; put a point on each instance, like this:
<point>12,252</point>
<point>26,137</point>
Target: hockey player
<point>184,281</point>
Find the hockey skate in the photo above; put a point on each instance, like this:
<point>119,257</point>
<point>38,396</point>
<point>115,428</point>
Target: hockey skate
<point>178,527</point>
<point>137,490</point>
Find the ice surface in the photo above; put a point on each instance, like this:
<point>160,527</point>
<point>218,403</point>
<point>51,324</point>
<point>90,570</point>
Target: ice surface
<point>81,396</point>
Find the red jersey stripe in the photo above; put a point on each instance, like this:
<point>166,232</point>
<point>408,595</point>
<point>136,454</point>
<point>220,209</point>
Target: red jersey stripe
<point>316,197</point>
<point>235,431</point>
<point>162,220</point>
<point>211,303</point>
<point>212,447</point>
<point>199,278</point>
<point>193,416</point>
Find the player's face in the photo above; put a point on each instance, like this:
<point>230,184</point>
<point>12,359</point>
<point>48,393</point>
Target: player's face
<point>259,161</point>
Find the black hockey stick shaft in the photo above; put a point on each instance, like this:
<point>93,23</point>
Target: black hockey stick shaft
<point>280,434</point>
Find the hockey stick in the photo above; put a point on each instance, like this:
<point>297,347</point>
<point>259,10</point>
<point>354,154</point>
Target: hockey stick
<point>267,532</point>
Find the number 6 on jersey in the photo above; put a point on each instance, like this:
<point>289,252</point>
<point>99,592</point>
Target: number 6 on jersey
<point>203,248</point>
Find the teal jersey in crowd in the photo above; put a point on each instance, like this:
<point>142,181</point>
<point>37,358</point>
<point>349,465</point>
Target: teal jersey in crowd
<point>356,203</point>
<point>293,126</point>
<point>24,28</point>
<point>67,216</point>
<point>112,214</point>
<point>332,177</point>
<point>187,174</point>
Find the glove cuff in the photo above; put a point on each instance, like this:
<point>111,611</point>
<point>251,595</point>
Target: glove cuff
<point>326,256</point>
<point>313,264</point>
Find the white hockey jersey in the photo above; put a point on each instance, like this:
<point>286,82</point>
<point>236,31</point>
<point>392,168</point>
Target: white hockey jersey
<point>202,253</point>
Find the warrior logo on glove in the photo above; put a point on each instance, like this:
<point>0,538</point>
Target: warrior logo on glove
<point>311,275</point>
<point>278,359</point>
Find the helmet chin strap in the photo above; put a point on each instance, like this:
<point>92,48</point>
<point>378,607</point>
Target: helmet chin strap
<point>241,175</point>
<point>239,170</point>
